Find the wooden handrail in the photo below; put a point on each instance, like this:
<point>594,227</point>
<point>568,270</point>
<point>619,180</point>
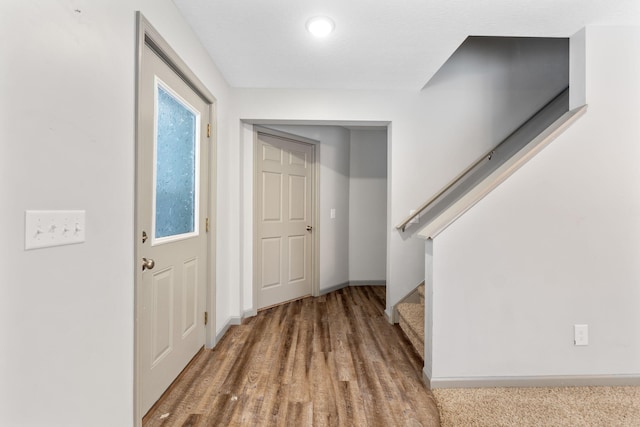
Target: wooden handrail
<point>482,160</point>
<point>444,190</point>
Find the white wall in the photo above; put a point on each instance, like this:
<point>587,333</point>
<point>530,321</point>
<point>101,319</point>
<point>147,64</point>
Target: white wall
<point>478,99</point>
<point>67,79</point>
<point>334,193</point>
<point>555,245</point>
<point>368,205</point>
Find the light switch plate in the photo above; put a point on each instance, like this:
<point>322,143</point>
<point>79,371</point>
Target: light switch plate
<point>53,228</point>
<point>332,213</point>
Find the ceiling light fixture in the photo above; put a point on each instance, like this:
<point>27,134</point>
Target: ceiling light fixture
<point>320,26</point>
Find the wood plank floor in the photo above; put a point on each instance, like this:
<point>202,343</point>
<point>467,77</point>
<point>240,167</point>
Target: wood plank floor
<point>327,361</point>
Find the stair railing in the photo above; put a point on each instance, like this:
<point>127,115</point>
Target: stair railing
<point>483,160</point>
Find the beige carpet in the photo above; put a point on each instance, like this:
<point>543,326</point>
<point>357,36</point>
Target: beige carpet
<point>562,406</point>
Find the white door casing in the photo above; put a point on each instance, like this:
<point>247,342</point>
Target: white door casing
<point>284,213</point>
<point>172,211</point>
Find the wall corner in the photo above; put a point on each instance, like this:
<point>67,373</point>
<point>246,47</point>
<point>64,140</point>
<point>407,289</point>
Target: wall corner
<point>428,306</point>
<point>577,69</point>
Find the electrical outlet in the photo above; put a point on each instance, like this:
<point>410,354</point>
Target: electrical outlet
<point>581,334</point>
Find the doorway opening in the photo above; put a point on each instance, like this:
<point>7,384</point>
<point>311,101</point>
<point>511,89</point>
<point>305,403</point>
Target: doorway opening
<point>352,211</point>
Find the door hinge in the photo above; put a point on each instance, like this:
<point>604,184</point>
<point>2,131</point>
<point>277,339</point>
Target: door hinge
<point>206,317</point>
<point>208,130</point>
<point>206,225</point>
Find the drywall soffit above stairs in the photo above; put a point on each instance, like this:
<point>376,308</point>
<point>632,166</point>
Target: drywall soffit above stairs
<point>484,187</point>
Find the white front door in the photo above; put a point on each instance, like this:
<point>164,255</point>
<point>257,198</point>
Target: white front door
<point>284,207</point>
<point>171,244</point>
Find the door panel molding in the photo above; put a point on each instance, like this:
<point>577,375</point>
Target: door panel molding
<point>273,156</point>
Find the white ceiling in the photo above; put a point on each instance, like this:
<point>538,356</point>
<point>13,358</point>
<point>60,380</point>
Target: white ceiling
<point>377,44</point>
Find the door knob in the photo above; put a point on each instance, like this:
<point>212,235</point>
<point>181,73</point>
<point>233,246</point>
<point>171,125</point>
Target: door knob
<point>148,264</point>
<point>309,228</point>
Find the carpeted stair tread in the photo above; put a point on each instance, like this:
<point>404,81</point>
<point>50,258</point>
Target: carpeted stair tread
<point>411,318</point>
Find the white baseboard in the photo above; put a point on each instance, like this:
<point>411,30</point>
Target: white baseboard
<point>426,377</point>
<point>230,321</point>
<point>535,381</point>
<point>333,288</point>
<point>353,283</point>
<point>367,283</point>
<point>249,313</point>
<point>391,315</point>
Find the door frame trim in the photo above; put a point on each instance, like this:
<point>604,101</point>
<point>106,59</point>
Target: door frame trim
<point>315,197</point>
<point>146,34</point>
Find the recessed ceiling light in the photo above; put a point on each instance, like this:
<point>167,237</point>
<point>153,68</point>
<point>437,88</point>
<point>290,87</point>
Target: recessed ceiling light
<point>320,26</point>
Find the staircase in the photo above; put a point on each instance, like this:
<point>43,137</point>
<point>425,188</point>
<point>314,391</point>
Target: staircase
<point>411,318</point>
<point>474,183</point>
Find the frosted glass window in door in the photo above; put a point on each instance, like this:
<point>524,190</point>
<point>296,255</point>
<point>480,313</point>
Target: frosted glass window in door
<point>176,183</point>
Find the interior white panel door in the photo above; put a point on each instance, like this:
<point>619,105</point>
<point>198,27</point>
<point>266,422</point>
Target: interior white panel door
<point>284,170</point>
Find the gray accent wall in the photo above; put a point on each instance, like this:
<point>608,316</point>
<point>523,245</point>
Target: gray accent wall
<point>368,205</point>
